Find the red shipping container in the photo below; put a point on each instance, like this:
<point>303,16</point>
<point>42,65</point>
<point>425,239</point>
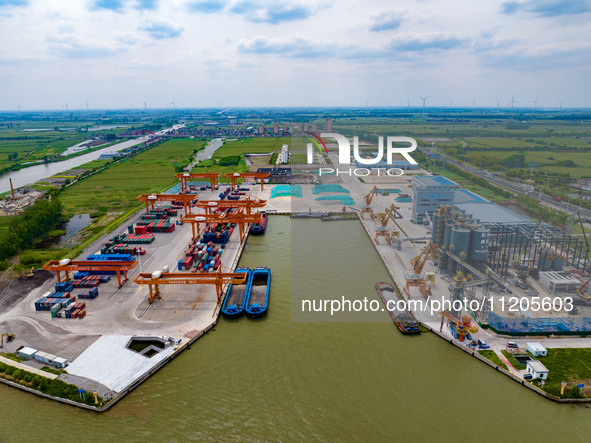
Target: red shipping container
<point>81,314</point>
<point>75,313</point>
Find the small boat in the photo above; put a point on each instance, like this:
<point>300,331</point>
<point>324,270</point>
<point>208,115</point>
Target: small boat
<point>258,298</point>
<point>259,228</point>
<point>401,317</point>
<point>236,296</point>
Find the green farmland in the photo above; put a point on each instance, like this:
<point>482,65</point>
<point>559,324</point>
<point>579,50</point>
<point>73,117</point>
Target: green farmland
<point>115,188</point>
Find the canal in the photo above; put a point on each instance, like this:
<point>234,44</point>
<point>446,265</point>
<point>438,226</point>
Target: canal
<point>282,379</point>
<point>32,174</point>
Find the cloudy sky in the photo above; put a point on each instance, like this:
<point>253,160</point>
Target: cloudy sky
<point>225,53</point>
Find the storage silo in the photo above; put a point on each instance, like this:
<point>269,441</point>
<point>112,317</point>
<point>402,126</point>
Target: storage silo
<point>479,247</point>
<point>435,227</point>
<point>447,236</point>
<point>460,242</point>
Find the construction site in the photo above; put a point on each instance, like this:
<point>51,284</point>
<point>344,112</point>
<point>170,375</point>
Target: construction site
<point>476,271</point>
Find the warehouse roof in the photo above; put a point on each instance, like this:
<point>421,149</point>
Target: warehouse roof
<point>465,196</point>
<point>488,212</point>
<point>433,181</point>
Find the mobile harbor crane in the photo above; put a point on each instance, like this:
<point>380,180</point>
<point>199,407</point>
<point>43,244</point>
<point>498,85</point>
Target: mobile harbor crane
<point>383,219</point>
<point>366,209</point>
<point>415,276</point>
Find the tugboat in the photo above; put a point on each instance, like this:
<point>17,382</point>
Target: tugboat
<point>237,295</point>
<point>402,318</point>
<point>259,228</point>
<point>258,298</point>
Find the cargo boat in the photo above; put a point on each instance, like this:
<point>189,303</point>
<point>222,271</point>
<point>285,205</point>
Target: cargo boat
<point>258,297</point>
<point>259,228</point>
<point>402,318</point>
<point>236,296</point>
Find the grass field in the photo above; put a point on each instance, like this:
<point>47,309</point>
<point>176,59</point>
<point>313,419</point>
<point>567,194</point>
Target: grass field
<point>570,365</point>
<point>251,145</point>
<point>115,188</point>
<point>547,160</point>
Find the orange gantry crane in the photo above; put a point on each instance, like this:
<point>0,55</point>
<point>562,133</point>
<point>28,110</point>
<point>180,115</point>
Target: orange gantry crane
<point>415,277</point>
<point>212,177</point>
<point>150,200</point>
<point>219,279</point>
<point>66,265</point>
<point>256,175</point>
<point>233,217</point>
<point>383,219</point>
<point>249,203</point>
<point>365,208</point>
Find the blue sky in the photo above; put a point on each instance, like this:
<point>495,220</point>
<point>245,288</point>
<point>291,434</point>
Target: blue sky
<point>226,53</point>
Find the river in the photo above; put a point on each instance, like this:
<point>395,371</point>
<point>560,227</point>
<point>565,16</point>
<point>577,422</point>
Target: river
<point>279,379</point>
<point>32,174</point>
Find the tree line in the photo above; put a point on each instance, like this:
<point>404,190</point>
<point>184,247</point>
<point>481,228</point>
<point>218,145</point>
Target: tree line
<point>33,223</point>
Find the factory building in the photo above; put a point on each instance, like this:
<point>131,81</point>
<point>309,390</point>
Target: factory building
<point>559,282</point>
<point>430,192</point>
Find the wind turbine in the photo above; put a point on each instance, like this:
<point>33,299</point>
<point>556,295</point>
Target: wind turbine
<point>172,103</point>
<point>424,100</point>
<point>561,105</point>
<point>535,103</point>
<point>145,103</point>
<point>66,107</point>
<point>511,103</point>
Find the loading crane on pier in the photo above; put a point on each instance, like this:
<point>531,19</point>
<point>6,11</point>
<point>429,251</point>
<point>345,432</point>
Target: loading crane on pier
<point>415,276</point>
<point>234,217</point>
<point>365,208</point>
<point>219,279</point>
<point>150,200</point>
<point>382,221</point>
<point>212,177</point>
<point>262,176</point>
<point>67,265</point>
<point>248,203</point>
<point>462,327</point>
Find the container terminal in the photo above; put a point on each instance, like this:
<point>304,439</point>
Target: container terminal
<point>139,296</point>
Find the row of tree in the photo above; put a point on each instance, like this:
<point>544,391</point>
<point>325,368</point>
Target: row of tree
<point>33,223</point>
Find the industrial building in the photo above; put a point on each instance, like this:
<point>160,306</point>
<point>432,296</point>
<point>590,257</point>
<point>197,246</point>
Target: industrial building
<point>430,192</point>
<point>559,282</point>
<point>537,369</point>
<point>110,155</point>
<point>536,349</point>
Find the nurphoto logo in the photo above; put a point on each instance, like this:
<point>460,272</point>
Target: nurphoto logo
<point>345,154</point>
